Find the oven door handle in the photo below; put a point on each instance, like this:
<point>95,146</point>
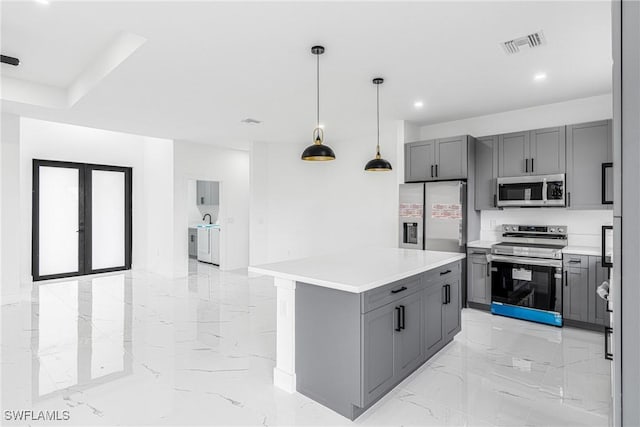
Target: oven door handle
<point>523,260</point>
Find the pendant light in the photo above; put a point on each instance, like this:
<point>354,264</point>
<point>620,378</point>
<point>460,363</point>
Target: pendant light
<point>378,164</point>
<point>318,151</point>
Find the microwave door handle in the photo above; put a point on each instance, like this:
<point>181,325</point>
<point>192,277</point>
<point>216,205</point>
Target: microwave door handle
<point>544,186</point>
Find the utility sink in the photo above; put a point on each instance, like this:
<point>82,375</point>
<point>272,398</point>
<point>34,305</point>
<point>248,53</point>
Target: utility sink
<point>208,226</point>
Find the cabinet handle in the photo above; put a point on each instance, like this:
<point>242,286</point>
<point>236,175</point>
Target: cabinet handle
<point>532,164</point>
<point>397,328</point>
<point>436,171</point>
<point>526,165</point>
<point>566,279</point>
<point>477,253</point>
<point>574,261</point>
<point>495,200</point>
<point>569,199</point>
<point>202,200</point>
<point>607,333</point>
<point>488,269</point>
<point>444,292</point>
<point>448,294</point>
<point>402,316</point>
<point>431,171</point>
<point>442,273</point>
<point>395,291</point>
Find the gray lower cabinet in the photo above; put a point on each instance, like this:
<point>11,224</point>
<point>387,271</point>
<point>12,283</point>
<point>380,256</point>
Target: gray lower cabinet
<point>486,172</point>
<point>193,243</point>
<point>351,349</point>
<point>437,159</point>
<point>581,306</point>
<point>589,146</point>
<point>478,277</point>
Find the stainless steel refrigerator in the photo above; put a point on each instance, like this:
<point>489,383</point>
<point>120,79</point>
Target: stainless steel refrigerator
<point>432,216</point>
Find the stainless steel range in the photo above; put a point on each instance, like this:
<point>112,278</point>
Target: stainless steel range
<point>526,273</point>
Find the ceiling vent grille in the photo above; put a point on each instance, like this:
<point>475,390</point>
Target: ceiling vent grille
<point>532,40</point>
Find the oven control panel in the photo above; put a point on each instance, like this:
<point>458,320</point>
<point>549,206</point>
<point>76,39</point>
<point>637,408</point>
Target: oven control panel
<point>535,229</point>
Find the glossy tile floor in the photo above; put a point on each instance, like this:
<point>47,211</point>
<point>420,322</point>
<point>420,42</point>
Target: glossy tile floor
<point>136,349</point>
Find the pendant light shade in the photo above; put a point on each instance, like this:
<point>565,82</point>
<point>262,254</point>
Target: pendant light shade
<point>318,151</point>
<point>378,164</point>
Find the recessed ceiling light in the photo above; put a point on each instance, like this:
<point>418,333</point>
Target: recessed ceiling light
<point>540,76</point>
<point>418,104</point>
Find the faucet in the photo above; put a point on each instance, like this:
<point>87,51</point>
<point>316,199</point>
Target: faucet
<point>207,215</point>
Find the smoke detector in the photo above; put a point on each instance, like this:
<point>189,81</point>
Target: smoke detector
<point>531,40</point>
<point>250,121</point>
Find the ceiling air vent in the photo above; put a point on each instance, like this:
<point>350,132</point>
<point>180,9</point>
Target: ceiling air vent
<point>251,121</point>
<point>531,41</point>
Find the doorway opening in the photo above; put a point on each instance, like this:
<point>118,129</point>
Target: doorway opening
<point>203,207</point>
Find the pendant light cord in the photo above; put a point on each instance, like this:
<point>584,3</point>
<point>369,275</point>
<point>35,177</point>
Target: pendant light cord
<point>378,116</point>
<point>317,90</point>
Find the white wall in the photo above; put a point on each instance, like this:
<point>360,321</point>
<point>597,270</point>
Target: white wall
<point>303,208</point>
<point>584,226</point>
<point>10,207</point>
<point>229,167</point>
<point>561,113</point>
<point>151,160</point>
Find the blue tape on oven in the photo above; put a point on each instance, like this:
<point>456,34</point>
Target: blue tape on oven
<point>526,313</point>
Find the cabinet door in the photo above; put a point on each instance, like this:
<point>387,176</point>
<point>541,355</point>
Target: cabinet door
<point>378,341</point>
<point>409,349</point>
<point>478,276</point>
<point>451,158</point>
<point>433,301</point>
<point>486,172</point>
<point>419,161</point>
<point>575,295</point>
<point>513,154</point>
<point>451,310</point>
<point>201,193</point>
<point>588,147</point>
<point>547,151</point>
<point>597,306</point>
<point>214,193</point>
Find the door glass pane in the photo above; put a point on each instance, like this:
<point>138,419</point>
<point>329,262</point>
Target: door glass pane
<point>58,220</point>
<point>108,214</point>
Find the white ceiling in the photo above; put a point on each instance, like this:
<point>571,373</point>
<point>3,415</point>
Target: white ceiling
<point>207,65</point>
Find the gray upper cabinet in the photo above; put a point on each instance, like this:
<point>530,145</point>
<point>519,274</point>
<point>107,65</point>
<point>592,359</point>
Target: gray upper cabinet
<point>207,193</point>
<point>478,277</point>
<point>575,295</point>
<point>589,145</point>
<point>486,172</point>
<point>547,151</point>
<point>535,152</point>
<point>437,159</point>
<point>419,161</point>
<point>451,158</point>
<point>513,154</point>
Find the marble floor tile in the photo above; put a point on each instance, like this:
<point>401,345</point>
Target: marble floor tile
<point>135,348</point>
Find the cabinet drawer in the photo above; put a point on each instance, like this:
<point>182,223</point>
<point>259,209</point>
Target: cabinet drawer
<point>386,294</point>
<point>477,251</point>
<point>443,273</point>
<point>577,261</point>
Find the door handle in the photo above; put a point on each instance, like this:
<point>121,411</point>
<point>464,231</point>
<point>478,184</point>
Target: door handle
<point>607,333</point>
<point>402,317</point>
<point>397,328</point>
<point>431,171</point>
<point>395,291</point>
<point>526,165</point>
<point>436,170</point>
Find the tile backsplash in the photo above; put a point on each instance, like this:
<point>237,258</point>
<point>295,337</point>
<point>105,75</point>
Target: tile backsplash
<point>584,227</point>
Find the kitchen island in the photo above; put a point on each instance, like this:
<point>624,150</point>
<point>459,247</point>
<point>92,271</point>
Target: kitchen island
<point>351,325</point>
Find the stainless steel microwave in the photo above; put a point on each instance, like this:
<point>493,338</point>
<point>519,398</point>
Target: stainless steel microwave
<point>531,190</point>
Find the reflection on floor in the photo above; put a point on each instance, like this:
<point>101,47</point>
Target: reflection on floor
<point>137,349</point>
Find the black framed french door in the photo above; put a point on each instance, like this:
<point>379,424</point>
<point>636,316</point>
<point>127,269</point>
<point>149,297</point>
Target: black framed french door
<point>81,219</point>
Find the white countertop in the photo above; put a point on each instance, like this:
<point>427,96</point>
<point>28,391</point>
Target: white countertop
<point>582,250</point>
<point>358,270</point>
<point>484,244</point>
